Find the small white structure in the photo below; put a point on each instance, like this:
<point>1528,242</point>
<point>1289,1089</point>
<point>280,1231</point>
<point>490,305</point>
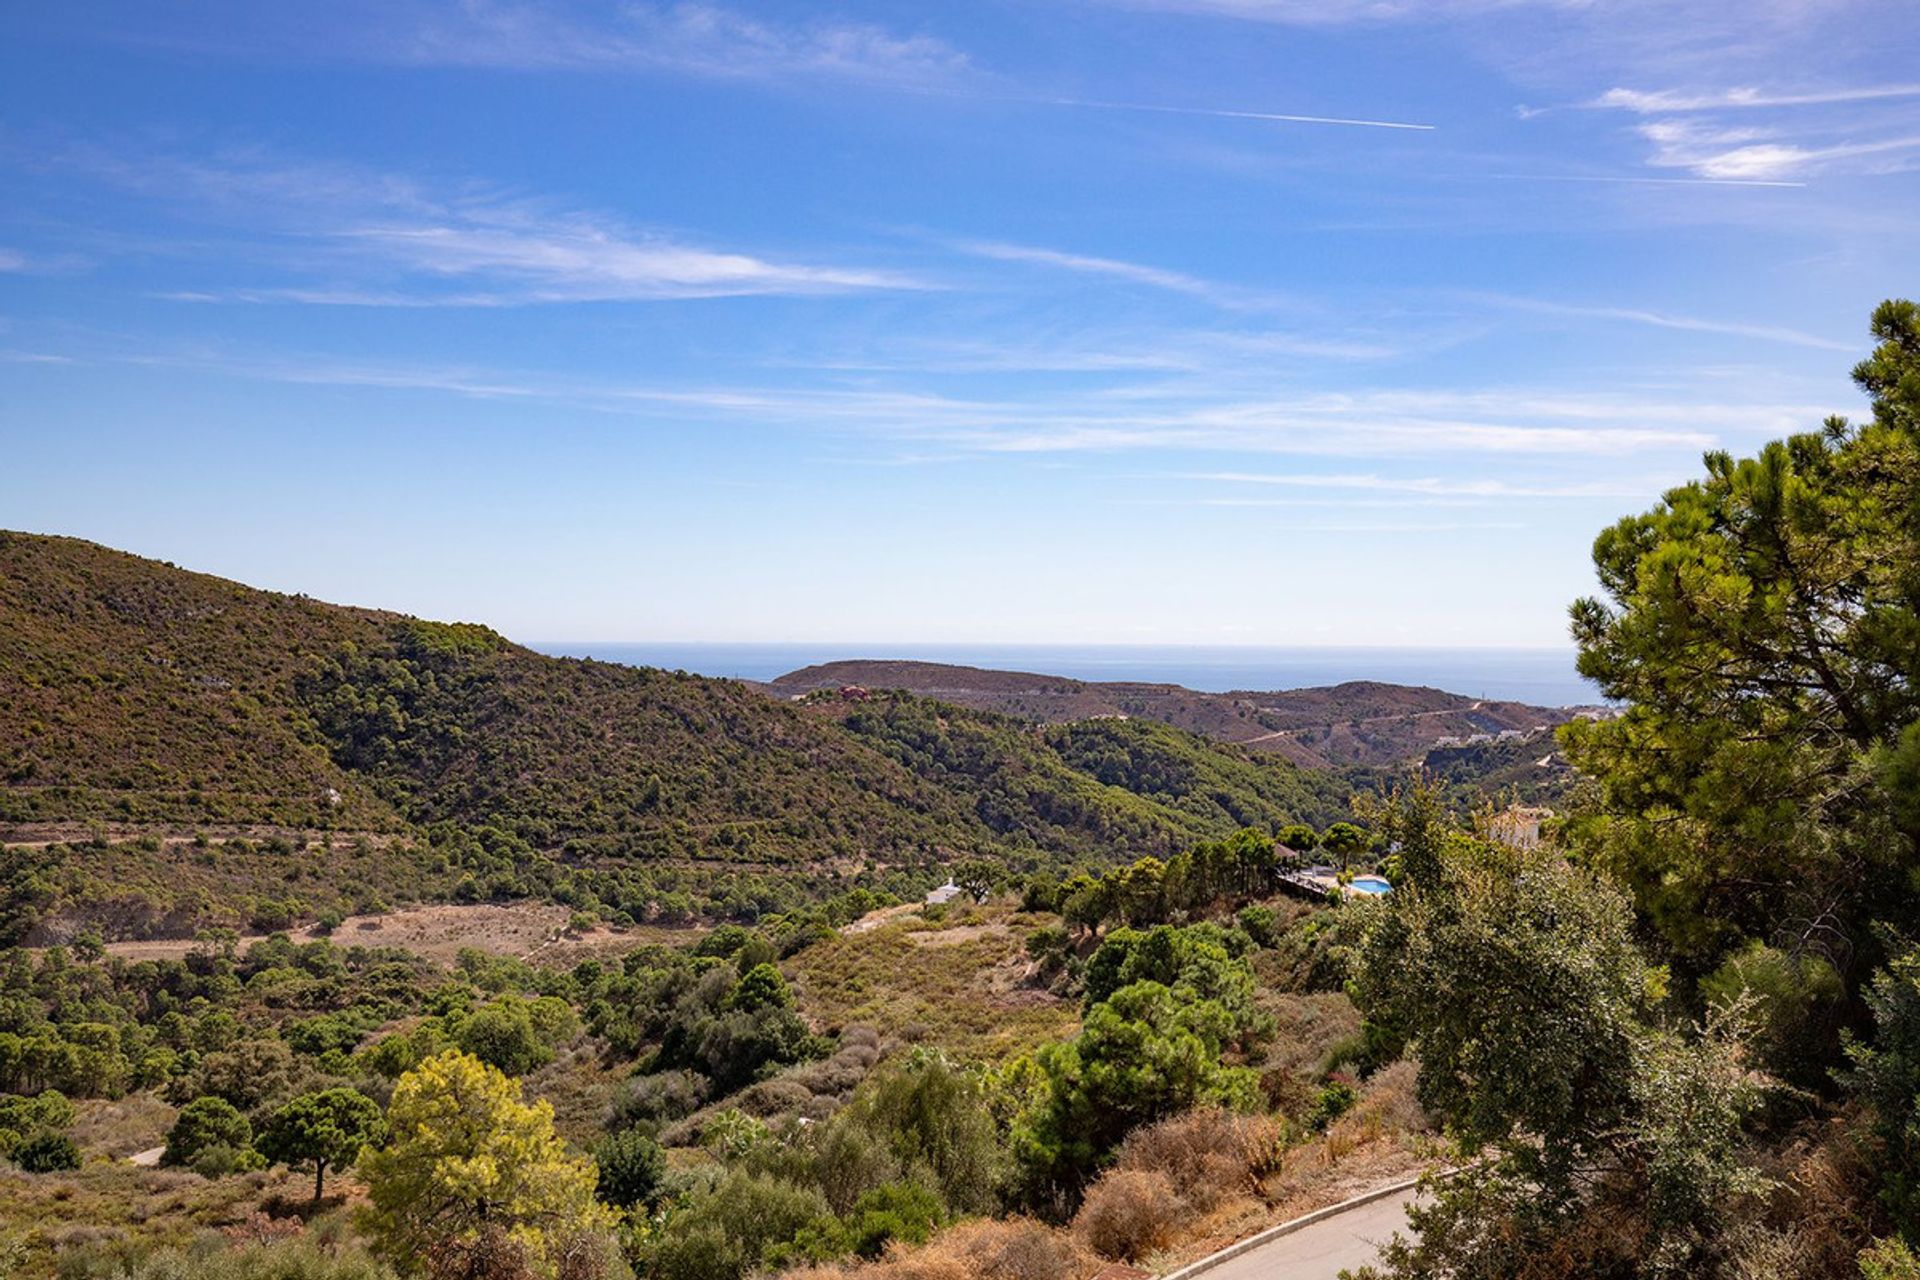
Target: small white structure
<point>1519,826</point>
<point>945,893</point>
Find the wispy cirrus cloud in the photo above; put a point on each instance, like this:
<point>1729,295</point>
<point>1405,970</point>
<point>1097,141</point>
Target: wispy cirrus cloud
<point>1664,101</point>
<point>1432,486</point>
<point>1750,133</point>
<point>695,38</point>
<point>1218,292</point>
<point>1747,153</point>
<point>1493,421</point>
<point>579,259</point>
<point>1668,320</point>
<point>1341,12</point>
<point>351,237</point>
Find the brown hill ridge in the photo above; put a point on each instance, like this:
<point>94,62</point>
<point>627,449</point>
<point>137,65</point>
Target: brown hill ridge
<point>1361,722</point>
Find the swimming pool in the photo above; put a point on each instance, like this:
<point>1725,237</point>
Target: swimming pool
<point>1372,884</point>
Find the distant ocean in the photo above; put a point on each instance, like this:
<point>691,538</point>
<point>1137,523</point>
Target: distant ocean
<point>1545,677</point>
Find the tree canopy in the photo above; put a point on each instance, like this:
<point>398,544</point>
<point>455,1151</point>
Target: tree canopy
<point>321,1131</point>
<point>1762,627</point>
<point>470,1162</point>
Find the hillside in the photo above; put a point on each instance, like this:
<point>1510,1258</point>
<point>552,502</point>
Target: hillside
<point>1357,723</point>
<point>136,695</point>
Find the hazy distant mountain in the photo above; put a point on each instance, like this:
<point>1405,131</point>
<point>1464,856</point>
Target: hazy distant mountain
<point>1357,723</point>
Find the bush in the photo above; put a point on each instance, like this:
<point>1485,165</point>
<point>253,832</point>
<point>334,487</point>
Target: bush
<point>666,1095</point>
<point>47,1152</point>
<point>1332,1102</point>
<point>1889,1259</point>
<point>1129,1213</point>
<point>206,1123</point>
<point>1211,1155</point>
<point>981,1249</point>
<point>729,1230</point>
<point>503,1036</point>
<point>631,1168</point>
<point>896,1211</point>
<point>220,1160</point>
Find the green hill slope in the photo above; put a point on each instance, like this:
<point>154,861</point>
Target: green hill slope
<point>137,695</point>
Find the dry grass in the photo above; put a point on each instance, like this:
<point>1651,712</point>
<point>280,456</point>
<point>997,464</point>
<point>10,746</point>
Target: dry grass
<point>533,931</point>
<point>1384,1137</point>
<point>960,986</point>
<point>983,1249</point>
<point>119,1127</point>
<point>1306,1026</point>
<point>110,1201</point>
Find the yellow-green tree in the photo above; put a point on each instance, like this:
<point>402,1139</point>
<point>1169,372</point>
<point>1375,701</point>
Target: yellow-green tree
<point>470,1164</point>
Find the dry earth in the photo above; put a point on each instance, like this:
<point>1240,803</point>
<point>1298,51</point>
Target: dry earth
<point>536,932</point>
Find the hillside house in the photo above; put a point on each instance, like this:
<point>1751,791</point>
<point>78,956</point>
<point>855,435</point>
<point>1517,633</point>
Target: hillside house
<point>1519,826</point>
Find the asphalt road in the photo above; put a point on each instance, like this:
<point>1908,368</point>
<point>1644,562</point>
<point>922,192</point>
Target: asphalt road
<point>1318,1252</point>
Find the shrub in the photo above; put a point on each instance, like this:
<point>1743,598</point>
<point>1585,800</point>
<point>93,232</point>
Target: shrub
<point>502,1035</point>
<point>728,1231</point>
<point>896,1211</point>
<point>1889,1259</point>
<point>1211,1155</point>
<point>666,1095</point>
<point>284,1260</point>
<point>219,1160</point>
<point>202,1124</point>
<point>1333,1101</point>
<point>47,1152</point>
<point>631,1167</point>
<point>1129,1213</point>
<point>981,1249</point>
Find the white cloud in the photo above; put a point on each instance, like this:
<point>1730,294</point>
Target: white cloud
<point>10,260</point>
<point>1341,12</point>
<point>701,39</point>
<point>577,259</point>
<point>1118,269</point>
<point>361,238</point>
<point>1667,320</point>
<point>1713,151</point>
<point>1434,486</point>
<point>1494,421</point>
<point>1660,101</point>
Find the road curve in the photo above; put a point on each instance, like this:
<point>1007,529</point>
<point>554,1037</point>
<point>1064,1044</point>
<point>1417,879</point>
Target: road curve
<point>1319,1250</point>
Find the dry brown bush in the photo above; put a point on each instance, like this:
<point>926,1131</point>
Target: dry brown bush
<point>1825,1183</point>
<point>1129,1213</point>
<point>1009,1249</point>
<point>1390,1094</point>
<point>982,1249</point>
<point>1210,1155</point>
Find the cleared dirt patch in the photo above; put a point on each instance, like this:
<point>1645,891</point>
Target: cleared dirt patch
<point>527,930</point>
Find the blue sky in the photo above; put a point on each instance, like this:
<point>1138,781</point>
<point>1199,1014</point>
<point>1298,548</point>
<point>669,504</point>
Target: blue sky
<point>1124,321</point>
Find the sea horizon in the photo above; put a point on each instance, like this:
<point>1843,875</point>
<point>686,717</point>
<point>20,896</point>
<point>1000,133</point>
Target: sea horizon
<point>1544,676</point>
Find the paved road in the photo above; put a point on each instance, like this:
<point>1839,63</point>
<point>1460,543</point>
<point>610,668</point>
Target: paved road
<point>1318,1252</point>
